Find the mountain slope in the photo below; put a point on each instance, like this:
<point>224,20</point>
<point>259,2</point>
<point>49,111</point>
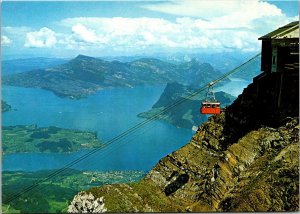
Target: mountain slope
<point>187,114</point>
<point>206,176</point>
<point>245,159</point>
<point>84,75</point>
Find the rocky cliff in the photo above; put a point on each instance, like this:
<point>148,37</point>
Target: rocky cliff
<point>86,203</point>
<point>259,172</point>
<point>268,101</point>
<point>245,159</point>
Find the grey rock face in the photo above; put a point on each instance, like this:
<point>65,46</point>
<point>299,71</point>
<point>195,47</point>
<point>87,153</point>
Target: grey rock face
<point>86,203</point>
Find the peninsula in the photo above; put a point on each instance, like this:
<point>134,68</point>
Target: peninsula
<point>30,138</point>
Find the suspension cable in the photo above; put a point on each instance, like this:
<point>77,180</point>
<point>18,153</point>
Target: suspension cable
<point>124,134</point>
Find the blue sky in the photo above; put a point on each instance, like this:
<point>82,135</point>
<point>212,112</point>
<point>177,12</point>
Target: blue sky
<point>105,28</point>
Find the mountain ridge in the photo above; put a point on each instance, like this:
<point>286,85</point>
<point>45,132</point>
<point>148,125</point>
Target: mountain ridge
<point>244,159</point>
<point>85,75</point>
<point>187,114</point>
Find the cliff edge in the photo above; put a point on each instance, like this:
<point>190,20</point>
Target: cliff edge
<point>259,172</point>
<point>245,159</point>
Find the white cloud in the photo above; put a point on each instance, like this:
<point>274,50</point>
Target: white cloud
<point>209,9</point>
<point>84,33</point>
<point>142,33</point>
<point>45,37</point>
<point>15,34</point>
<point>17,31</point>
<point>225,13</point>
<point>5,40</point>
<point>118,31</point>
<point>200,24</point>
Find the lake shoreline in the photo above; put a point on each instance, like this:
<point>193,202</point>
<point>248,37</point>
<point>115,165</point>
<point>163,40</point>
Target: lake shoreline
<point>108,113</point>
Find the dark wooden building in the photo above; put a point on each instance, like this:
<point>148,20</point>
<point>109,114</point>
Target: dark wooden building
<point>273,96</point>
<point>280,49</point>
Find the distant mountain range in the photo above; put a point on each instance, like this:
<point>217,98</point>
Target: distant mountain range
<point>14,66</point>
<point>187,114</point>
<point>85,75</point>
<point>222,61</point>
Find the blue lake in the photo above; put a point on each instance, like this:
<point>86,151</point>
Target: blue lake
<point>109,113</point>
<point>235,87</point>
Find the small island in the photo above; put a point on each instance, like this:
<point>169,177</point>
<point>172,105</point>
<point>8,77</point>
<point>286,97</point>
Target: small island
<point>4,106</point>
<point>30,138</point>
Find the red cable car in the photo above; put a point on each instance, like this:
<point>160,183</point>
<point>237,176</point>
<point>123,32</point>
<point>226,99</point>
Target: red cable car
<point>210,105</point>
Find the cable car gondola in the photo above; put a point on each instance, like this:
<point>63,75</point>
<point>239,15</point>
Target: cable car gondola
<point>210,105</point>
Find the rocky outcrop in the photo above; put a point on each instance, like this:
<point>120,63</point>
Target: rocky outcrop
<point>259,172</point>
<point>86,203</point>
<point>245,159</point>
<point>268,101</point>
